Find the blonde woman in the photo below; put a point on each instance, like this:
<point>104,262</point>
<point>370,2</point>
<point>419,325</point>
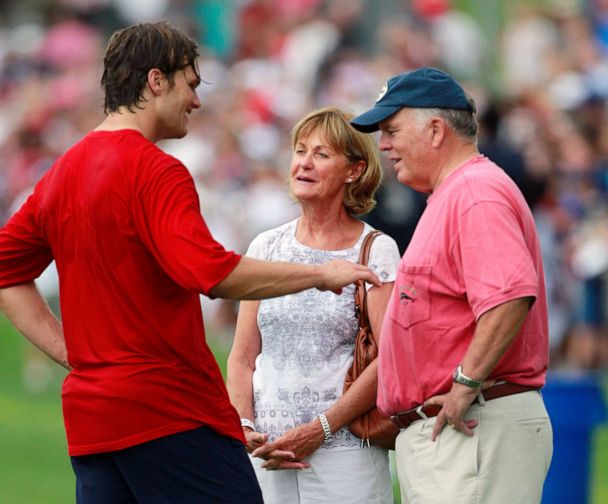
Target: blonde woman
<point>290,354</point>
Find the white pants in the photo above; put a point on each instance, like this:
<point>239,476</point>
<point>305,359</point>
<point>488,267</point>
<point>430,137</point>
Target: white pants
<point>506,461</point>
<point>357,476</point>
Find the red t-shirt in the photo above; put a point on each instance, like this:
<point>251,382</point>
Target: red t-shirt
<point>122,220</point>
<point>474,248</point>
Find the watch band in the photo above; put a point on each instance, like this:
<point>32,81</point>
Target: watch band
<point>463,379</point>
<point>245,422</point>
<point>325,424</point>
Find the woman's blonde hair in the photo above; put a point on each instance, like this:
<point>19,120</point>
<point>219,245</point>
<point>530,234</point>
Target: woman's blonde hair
<point>333,124</point>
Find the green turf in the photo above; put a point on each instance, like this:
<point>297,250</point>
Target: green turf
<point>600,467</point>
<point>34,466</point>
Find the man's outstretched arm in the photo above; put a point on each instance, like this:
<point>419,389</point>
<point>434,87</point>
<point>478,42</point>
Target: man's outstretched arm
<point>255,279</point>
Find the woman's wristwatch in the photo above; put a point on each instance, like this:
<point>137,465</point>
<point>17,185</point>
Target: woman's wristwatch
<point>245,422</point>
<point>326,430</point>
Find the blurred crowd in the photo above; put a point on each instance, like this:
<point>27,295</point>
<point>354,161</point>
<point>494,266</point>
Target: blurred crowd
<point>537,69</point>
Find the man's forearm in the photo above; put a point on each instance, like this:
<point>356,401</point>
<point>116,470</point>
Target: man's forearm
<point>255,279</point>
<point>31,315</point>
<point>496,330</point>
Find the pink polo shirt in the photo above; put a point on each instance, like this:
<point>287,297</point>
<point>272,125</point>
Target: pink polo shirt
<point>474,248</point>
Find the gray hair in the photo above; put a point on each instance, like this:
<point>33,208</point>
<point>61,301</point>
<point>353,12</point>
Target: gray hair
<point>463,123</point>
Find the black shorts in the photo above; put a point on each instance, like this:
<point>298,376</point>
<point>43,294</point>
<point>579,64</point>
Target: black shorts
<point>193,467</point>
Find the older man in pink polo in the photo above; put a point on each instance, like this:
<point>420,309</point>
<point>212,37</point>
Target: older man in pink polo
<point>464,340</point>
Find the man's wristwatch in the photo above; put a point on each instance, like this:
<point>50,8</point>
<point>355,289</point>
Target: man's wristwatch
<point>463,379</point>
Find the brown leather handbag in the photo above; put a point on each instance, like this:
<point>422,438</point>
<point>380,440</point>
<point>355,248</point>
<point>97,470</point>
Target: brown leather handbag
<point>372,427</point>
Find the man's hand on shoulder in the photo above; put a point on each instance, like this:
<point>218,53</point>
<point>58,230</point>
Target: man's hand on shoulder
<point>339,272</point>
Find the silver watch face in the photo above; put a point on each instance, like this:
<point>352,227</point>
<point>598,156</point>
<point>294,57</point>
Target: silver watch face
<point>465,380</point>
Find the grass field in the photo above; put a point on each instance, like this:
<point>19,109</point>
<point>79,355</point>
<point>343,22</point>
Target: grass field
<point>34,466</point>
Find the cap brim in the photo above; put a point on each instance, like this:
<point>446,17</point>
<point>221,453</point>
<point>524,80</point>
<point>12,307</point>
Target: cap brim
<point>368,121</point>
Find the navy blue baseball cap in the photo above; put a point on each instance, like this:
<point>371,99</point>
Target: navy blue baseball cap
<point>421,88</point>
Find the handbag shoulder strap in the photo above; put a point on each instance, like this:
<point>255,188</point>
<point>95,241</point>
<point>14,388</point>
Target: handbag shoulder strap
<point>361,291</point>
<point>366,246</point>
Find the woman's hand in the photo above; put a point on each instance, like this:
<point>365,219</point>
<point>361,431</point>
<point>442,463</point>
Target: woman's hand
<point>254,439</point>
<point>278,459</point>
<point>290,450</point>
<point>283,460</point>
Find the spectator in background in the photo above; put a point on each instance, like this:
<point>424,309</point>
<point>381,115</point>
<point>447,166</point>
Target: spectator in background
<point>146,411</point>
<point>507,156</point>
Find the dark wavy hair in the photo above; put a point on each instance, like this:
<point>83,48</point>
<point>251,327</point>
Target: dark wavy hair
<point>133,51</point>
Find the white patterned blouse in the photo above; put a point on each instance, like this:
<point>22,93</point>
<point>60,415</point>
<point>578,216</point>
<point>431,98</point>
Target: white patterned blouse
<point>308,337</point>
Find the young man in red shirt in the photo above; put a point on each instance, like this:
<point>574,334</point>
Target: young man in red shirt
<point>146,411</point>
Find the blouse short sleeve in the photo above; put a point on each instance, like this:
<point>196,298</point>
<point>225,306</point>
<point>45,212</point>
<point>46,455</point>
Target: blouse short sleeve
<point>258,248</point>
<point>384,259</point>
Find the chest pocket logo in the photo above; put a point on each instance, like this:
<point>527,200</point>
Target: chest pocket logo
<point>413,290</point>
<point>407,294</point>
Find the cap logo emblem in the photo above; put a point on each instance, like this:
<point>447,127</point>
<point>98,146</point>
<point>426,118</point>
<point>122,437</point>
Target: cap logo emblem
<point>382,92</point>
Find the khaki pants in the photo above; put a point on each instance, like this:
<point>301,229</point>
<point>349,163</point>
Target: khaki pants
<point>506,461</point>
